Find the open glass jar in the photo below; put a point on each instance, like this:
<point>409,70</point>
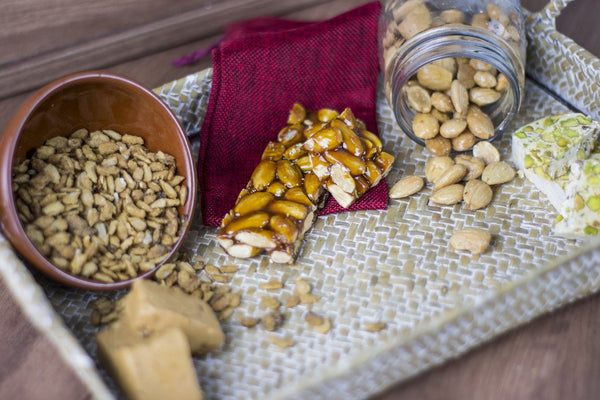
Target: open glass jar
<point>454,70</point>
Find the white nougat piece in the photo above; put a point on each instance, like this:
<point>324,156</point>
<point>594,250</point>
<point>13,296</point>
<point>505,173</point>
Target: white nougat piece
<point>560,155</point>
<point>545,150</point>
<point>579,214</point>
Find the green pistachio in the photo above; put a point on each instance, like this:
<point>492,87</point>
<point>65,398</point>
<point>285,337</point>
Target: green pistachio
<point>548,137</point>
<point>562,178</point>
<point>583,120</point>
<point>542,173</point>
<point>588,168</point>
<point>593,181</point>
<point>548,121</point>
<point>572,133</point>
<point>594,203</point>
<point>569,122</point>
<point>521,135</point>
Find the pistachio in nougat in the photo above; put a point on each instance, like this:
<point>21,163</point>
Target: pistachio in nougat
<point>545,150</point>
<point>560,155</point>
<point>150,308</point>
<point>149,368</point>
<point>579,214</point>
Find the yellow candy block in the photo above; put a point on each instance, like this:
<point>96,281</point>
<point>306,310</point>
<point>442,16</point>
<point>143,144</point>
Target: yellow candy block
<point>153,368</point>
<point>150,308</point>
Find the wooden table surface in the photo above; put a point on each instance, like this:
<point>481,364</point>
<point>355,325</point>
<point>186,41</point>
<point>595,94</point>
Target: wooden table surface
<point>556,356</point>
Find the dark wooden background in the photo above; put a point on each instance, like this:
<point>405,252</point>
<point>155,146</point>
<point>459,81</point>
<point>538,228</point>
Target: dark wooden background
<point>555,357</point>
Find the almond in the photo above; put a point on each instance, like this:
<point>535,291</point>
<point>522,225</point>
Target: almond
<point>425,126</point>
<point>436,166</point>
<point>442,102</point>
<point>464,141</point>
<point>450,176</point>
<point>453,127</point>
<point>483,96</point>
<point>497,173</point>
<point>486,151</point>
<point>263,174</point>
<point>448,195</point>
<point>418,98</point>
<point>479,123</point>
<point>439,146</point>
<point>416,21</point>
<point>477,194</point>
<point>434,77</point>
<point>406,186</point>
<point>459,96</point>
<point>475,166</point>
<point>471,239</point>
<point>355,164</point>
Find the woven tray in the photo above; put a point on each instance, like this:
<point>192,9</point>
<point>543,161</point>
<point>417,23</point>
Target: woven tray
<point>393,266</point>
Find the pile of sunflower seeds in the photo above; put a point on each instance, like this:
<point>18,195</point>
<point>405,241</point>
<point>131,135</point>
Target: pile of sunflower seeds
<point>100,204</point>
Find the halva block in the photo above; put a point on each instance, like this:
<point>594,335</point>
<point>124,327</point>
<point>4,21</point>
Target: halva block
<point>150,308</point>
<point>148,368</point>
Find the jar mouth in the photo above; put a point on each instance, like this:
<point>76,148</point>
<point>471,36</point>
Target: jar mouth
<point>457,41</point>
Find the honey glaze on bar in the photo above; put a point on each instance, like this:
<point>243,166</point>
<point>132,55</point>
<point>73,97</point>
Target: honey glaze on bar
<point>314,151</point>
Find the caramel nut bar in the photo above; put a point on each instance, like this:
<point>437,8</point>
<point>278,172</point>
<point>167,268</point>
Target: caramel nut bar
<point>315,150</point>
<point>278,205</point>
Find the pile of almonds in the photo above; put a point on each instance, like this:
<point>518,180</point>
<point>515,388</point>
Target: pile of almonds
<point>464,178</point>
<point>447,101</point>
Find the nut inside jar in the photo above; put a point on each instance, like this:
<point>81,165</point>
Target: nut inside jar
<point>447,63</point>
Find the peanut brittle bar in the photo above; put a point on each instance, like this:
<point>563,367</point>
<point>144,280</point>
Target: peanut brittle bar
<point>314,151</point>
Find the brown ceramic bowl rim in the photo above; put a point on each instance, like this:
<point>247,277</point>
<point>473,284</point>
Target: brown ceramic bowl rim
<point>10,224</point>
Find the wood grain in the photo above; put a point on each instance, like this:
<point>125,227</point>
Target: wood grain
<point>29,28</point>
<point>554,357</point>
<point>110,49</point>
<point>30,366</point>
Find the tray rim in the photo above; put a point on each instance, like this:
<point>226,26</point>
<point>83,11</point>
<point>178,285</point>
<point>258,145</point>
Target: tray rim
<point>32,300</point>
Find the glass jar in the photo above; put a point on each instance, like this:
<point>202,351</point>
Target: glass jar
<point>454,70</point>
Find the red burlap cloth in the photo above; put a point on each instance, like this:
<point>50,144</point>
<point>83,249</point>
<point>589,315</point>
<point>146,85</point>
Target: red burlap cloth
<point>260,69</point>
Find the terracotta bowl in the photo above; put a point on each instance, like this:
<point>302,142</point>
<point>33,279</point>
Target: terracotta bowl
<point>92,100</point>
